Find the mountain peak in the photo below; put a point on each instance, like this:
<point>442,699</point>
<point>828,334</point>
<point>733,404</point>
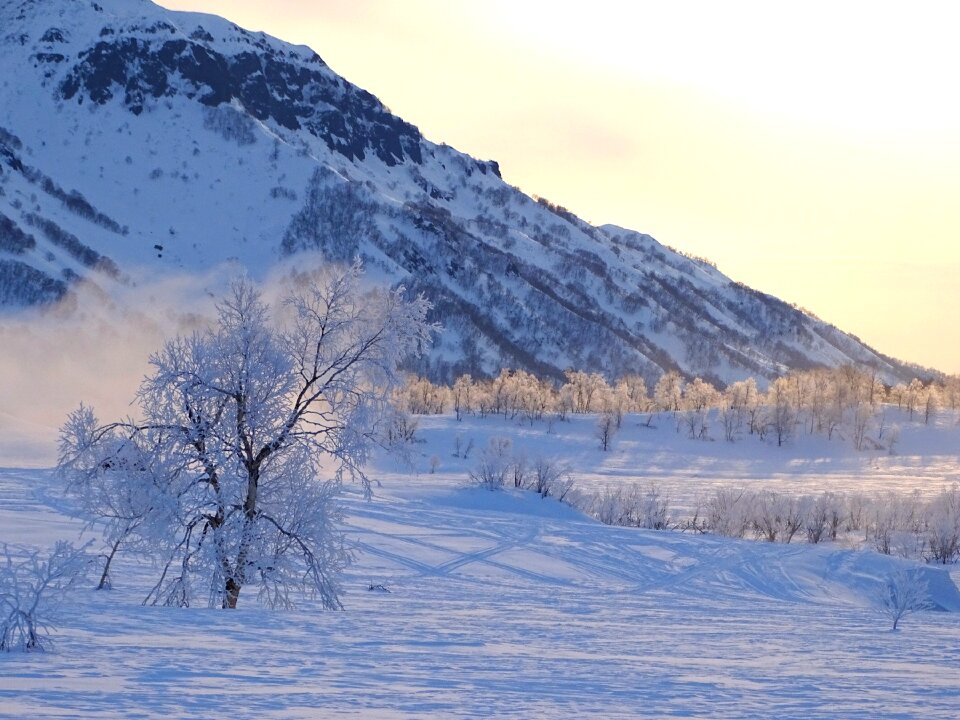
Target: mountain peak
<point>140,141</point>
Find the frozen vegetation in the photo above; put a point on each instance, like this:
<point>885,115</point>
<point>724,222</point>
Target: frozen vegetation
<point>462,602</point>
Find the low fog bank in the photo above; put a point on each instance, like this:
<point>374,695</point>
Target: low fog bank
<point>94,348</point>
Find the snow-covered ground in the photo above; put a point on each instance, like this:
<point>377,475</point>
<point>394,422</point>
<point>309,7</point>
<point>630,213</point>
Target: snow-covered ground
<point>925,457</point>
<point>505,605</point>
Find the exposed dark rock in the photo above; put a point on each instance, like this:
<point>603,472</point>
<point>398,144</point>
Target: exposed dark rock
<point>267,84</point>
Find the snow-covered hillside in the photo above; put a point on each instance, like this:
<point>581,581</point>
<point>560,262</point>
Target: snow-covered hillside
<point>500,604</point>
<point>137,142</point>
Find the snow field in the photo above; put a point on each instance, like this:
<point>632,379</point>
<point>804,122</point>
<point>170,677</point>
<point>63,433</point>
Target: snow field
<point>500,604</point>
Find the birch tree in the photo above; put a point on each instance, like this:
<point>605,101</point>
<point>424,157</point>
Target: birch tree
<point>247,430</point>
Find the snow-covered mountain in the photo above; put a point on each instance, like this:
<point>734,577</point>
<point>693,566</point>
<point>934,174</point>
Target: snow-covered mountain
<point>135,141</point>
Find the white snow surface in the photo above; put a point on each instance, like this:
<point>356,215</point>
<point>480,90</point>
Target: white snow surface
<point>505,605</point>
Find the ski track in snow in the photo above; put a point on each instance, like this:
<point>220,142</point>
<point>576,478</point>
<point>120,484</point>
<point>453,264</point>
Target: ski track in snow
<point>499,605</point>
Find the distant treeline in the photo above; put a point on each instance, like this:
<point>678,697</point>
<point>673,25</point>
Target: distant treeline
<point>845,402</point>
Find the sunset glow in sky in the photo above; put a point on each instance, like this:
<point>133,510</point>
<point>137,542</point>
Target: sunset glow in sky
<point>811,149</point>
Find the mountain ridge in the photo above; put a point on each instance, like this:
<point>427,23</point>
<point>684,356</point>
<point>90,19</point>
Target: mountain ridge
<point>138,137</point>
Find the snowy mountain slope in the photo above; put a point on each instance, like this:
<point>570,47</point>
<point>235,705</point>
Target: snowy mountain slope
<point>138,142</point>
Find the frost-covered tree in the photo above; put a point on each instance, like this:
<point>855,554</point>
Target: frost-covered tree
<point>246,432</point>
<point>114,481</point>
<point>902,594</point>
<point>462,395</point>
<point>605,429</point>
<point>668,392</point>
<point>863,418</point>
<point>32,587</point>
<point>584,390</point>
<point>783,413</point>
<point>698,397</point>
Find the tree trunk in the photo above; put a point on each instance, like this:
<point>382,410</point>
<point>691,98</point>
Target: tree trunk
<point>233,583</point>
<point>104,583</point>
<point>231,594</point>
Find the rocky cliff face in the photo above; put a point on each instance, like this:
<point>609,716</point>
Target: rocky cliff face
<point>140,141</point>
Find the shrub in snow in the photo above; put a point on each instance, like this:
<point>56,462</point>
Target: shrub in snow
<point>891,519</point>
<point>729,512</point>
<point>943,527</point>
<point>609,507</point>
<point>494,466</point>
<point>247,430</point>
<point>32,586</point>
<point>902,594</point>
<point>776,516</point>
<point>653,509</point>
<point>815,511</point>
<point>550,478</point>
<point>401,429</point>
<point>632,506</point>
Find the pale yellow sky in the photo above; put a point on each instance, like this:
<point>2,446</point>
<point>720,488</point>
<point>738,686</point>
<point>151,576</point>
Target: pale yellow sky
<point>811,149</point>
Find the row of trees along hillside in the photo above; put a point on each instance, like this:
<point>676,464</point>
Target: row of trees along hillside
<point>845,402</point>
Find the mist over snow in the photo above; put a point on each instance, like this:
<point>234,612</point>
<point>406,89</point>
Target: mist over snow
<point>92,347</point>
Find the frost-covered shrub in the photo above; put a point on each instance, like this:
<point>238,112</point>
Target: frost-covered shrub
<point>654,510</point>
<point>609,507</point>
<point>632,506</point>
<point>942,534</point>
<point>32,587</point>
<point>551,479</point>
<point>776,516</point>
<point>494,466</point>
<point>902,594</point>
<point>890,515</point>
<point>729,512</point>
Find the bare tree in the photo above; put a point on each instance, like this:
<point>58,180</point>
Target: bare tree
<point>115,486</point>
<point>783,414</point>
<point>32,587</point>
<point>605,430</point>
<point>902,594</point>
<point>248,428</point>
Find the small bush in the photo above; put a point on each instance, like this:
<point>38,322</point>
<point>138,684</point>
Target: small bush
<point>32,588</point>
<point>494,466</point>
<point>902,594</point>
